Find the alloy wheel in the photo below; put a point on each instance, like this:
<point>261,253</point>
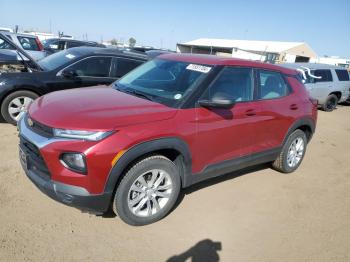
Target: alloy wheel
<point>295,152</point>
<point>18,106</point>
<point>149,193</point>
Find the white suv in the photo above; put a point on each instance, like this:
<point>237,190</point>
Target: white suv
<point>328,84</point>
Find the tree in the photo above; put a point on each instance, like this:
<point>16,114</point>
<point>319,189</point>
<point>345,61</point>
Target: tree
<point>114,41</point>
<point>132,42</point>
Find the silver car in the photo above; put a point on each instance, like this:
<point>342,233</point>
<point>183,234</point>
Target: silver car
<point>328,84</point>
<point>30,43</point>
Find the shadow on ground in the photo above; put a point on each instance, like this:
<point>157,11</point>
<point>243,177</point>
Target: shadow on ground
<point>204,251</point>
<point>206,183</point>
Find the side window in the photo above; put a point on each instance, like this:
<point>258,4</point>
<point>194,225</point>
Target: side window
<point>73,44</point>
<point>234,83</point>
<point>343,75</point>
<point>28,43</point>
<point>325,74</point>
<point>271,85</point>
<point>122,66</point>
<point>4,45</point>
<point>92,67</point>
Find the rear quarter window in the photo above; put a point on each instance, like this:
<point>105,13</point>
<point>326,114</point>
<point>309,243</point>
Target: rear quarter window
<point>343,75</point>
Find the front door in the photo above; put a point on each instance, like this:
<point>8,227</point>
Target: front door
<point>225,134</point>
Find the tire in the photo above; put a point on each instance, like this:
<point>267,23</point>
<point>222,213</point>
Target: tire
<point>283,162</point>
<point>18,101</point>
<point>158,204</point>
<point>331,103</point>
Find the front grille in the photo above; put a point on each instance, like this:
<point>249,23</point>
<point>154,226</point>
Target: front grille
<point>39,128</point>
<point>35,161</point>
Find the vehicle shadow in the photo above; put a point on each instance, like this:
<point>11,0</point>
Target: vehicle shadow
<point>204,251</point>
<point>219,179</point>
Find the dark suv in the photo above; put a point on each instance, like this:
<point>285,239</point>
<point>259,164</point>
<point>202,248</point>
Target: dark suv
<point>172,122</point>
<point>72,68</point>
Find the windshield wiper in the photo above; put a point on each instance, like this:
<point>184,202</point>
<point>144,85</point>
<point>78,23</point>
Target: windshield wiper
<point>134,92</point>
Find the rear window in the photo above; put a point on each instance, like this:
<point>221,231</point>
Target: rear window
<point>343,75</point>
<point>325,74</point>
<point>28,43</point>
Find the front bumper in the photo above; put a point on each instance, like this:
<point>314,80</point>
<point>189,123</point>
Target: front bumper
<point>70,195</point>
<point>36,170</point>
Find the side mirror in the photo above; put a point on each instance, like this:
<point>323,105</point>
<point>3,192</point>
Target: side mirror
<point>217,103</point>
<point>69,73</point>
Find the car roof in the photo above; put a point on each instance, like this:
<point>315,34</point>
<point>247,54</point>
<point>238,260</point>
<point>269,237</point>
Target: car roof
<point>89,50</point>
<point>19,34</point>
<point>312,66</point>
<point>225,61</point>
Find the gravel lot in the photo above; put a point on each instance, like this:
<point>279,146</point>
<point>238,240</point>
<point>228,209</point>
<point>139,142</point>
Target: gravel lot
<point>254,215</point>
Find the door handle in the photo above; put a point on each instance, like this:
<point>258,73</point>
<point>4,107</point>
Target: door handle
<point>250,112</point>
<point>293,107</point>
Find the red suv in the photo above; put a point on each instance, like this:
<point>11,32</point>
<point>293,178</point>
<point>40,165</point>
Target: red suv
<point>172,122</point>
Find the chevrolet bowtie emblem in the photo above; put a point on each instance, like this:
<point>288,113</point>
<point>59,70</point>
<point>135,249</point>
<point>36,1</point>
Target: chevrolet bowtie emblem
<point>30,122</point>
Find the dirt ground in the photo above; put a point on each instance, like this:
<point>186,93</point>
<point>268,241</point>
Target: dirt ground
<point>254,215</point>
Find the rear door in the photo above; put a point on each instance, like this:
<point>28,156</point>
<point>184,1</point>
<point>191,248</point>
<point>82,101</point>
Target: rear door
<point>320,87</point>
<point>278,105</point>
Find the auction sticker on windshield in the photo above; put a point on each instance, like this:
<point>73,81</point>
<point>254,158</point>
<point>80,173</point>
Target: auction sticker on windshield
<point>70,56</point>
<point>199,68</point>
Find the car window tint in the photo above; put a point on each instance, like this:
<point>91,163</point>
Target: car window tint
<point>123,66</point>
<point>28,43</point>
<point>232,83</point>
<point>343,75</point>
<point>325,74</point>
<point>271,85</point>
<point>93,67</point>
<point>74,44</point>
<point>5,45</point>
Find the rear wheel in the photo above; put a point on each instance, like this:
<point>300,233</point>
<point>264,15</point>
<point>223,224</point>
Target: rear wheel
<point>148,191</point>
<point>16,104</point>
<point>331,103</point>
<point>292,153</point>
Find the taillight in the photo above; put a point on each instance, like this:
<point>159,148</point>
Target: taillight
<point>313,101</point>
<point>40,45</point>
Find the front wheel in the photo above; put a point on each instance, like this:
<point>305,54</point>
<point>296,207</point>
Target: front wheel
<point>292,153</point>
<point>16,104</point>
<point>148,191</point>
<point>331,103</point>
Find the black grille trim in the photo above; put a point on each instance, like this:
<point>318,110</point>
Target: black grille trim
<point>39,128</point>
<point>35,161</point>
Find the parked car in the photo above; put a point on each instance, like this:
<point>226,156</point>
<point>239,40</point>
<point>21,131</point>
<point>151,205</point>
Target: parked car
<point>328,84</point>
<point>13,58</point>
<point>30,43</point>
<point>72,68</point>
<point>53,45</point>
<point>172,122</point>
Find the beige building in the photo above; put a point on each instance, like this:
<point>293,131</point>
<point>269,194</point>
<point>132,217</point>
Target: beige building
<point>268,51</point>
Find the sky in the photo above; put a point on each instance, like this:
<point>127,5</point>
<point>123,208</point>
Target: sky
<point>323,24</point>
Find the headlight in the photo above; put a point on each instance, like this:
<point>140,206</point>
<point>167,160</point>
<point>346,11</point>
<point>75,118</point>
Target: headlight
<point>81,134</point>
<point>74,161</point>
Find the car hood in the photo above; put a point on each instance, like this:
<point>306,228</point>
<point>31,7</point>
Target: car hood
<point>96,108</point>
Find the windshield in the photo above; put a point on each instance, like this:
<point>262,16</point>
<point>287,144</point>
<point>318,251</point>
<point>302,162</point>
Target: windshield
<point>164,81</point>
<point>56,60</point>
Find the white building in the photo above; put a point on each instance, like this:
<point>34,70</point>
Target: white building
<point>268,51</point>
<point>333,60</point>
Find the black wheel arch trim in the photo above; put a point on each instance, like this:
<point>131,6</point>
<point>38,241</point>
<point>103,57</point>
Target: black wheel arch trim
<point>145,148</point>
<point>305,121</point>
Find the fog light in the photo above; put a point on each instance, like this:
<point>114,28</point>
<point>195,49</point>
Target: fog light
<point>74,161</point>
